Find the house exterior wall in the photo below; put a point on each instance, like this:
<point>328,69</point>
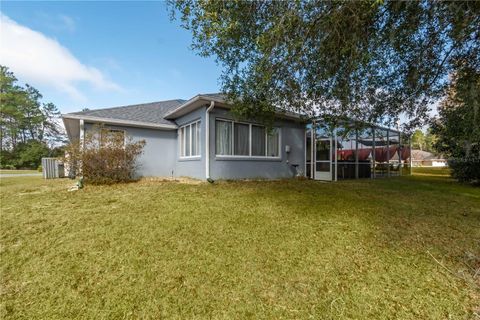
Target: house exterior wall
<point>158,158</point>
<point>291,133</point>
<point>161,156</point>
<point>193,168</point>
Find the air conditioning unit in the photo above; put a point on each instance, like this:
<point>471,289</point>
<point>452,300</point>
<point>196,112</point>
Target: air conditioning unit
<point>52,168</point>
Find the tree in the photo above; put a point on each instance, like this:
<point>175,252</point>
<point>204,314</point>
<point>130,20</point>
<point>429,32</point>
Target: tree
<point>11,96</point>
<point>430,141</point>
<point>29,154</point>
<point>418,140</point>
<point>373,61</point>
<point>424,141</point>
<point>458,125</point>
<point>26,124</point>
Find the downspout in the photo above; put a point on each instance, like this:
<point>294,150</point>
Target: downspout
<point>76,170</point>
<point>207,139</point>
<point>82,133</point>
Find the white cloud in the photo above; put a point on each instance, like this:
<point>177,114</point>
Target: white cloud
<point>40,60</point>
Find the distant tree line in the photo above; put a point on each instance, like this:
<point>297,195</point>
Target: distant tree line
<point>457,126</point>
<point>424,141</point>
<point>29,128</point>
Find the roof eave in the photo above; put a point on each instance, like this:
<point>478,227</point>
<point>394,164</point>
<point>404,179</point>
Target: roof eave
<point>128,123</point>
<point>192,104</point>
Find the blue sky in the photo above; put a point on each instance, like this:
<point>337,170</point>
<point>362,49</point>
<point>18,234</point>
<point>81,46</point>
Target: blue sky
<point>100,54</point>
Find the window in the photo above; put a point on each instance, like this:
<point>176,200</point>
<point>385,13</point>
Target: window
<point>194,139</point>
<point>242,137</point>
<point>188,140</point>
<point>246,140</point>
<point>189,136</point>
<point>223,140</point>
<point>258,141</point>
<point>273,143</point>
<point>108,137</point>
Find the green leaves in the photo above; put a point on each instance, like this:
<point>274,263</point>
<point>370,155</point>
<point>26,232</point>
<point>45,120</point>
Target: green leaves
<point>458,124</point>
<point>374,61</point>
<point>26,124</point>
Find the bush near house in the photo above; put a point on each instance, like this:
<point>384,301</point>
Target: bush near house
<point>106,157</point>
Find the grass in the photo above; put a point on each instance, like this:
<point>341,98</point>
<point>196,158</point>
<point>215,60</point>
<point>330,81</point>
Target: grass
<point>431,171</point>
<point>400,248</point>
<point>4,171</point>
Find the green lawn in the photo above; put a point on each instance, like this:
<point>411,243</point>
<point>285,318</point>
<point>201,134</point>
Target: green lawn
<point>400,248</point>
<point>3,171</point>
<point>432,171</point>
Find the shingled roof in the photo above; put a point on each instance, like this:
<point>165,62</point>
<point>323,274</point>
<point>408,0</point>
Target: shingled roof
<point>153,112</point>
<point>215,96</point>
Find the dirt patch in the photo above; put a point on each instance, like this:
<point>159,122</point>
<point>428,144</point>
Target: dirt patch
<point>184,180</point>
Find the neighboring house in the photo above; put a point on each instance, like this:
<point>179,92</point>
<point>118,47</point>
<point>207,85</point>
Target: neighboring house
<point>200,138</point>
<point>427,159</point>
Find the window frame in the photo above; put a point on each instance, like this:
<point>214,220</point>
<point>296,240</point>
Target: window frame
<point>249,156</point>
<point>109,130</point>
<point>182,141</point>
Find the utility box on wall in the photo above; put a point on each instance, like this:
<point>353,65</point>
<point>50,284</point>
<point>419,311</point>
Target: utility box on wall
<point>52,168</point>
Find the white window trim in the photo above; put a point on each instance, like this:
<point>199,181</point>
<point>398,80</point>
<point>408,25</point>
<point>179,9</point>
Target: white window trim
<point>181,138</point>
<point>250,156</point>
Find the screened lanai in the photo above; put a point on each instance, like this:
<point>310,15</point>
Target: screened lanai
<point>353,151</point>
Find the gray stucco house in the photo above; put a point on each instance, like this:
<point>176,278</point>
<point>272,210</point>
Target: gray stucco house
<point>200,138</point>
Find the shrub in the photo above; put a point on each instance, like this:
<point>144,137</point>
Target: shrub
<point>40,169</point>
<point>106,157</point>
<point>466,169</point>
<point>26,155</point>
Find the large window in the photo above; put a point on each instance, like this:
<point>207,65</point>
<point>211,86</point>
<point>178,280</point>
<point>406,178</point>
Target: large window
<point>106,137</point>
<point>190,140</point>
<point>242,136</point>
<point>245,140</point>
